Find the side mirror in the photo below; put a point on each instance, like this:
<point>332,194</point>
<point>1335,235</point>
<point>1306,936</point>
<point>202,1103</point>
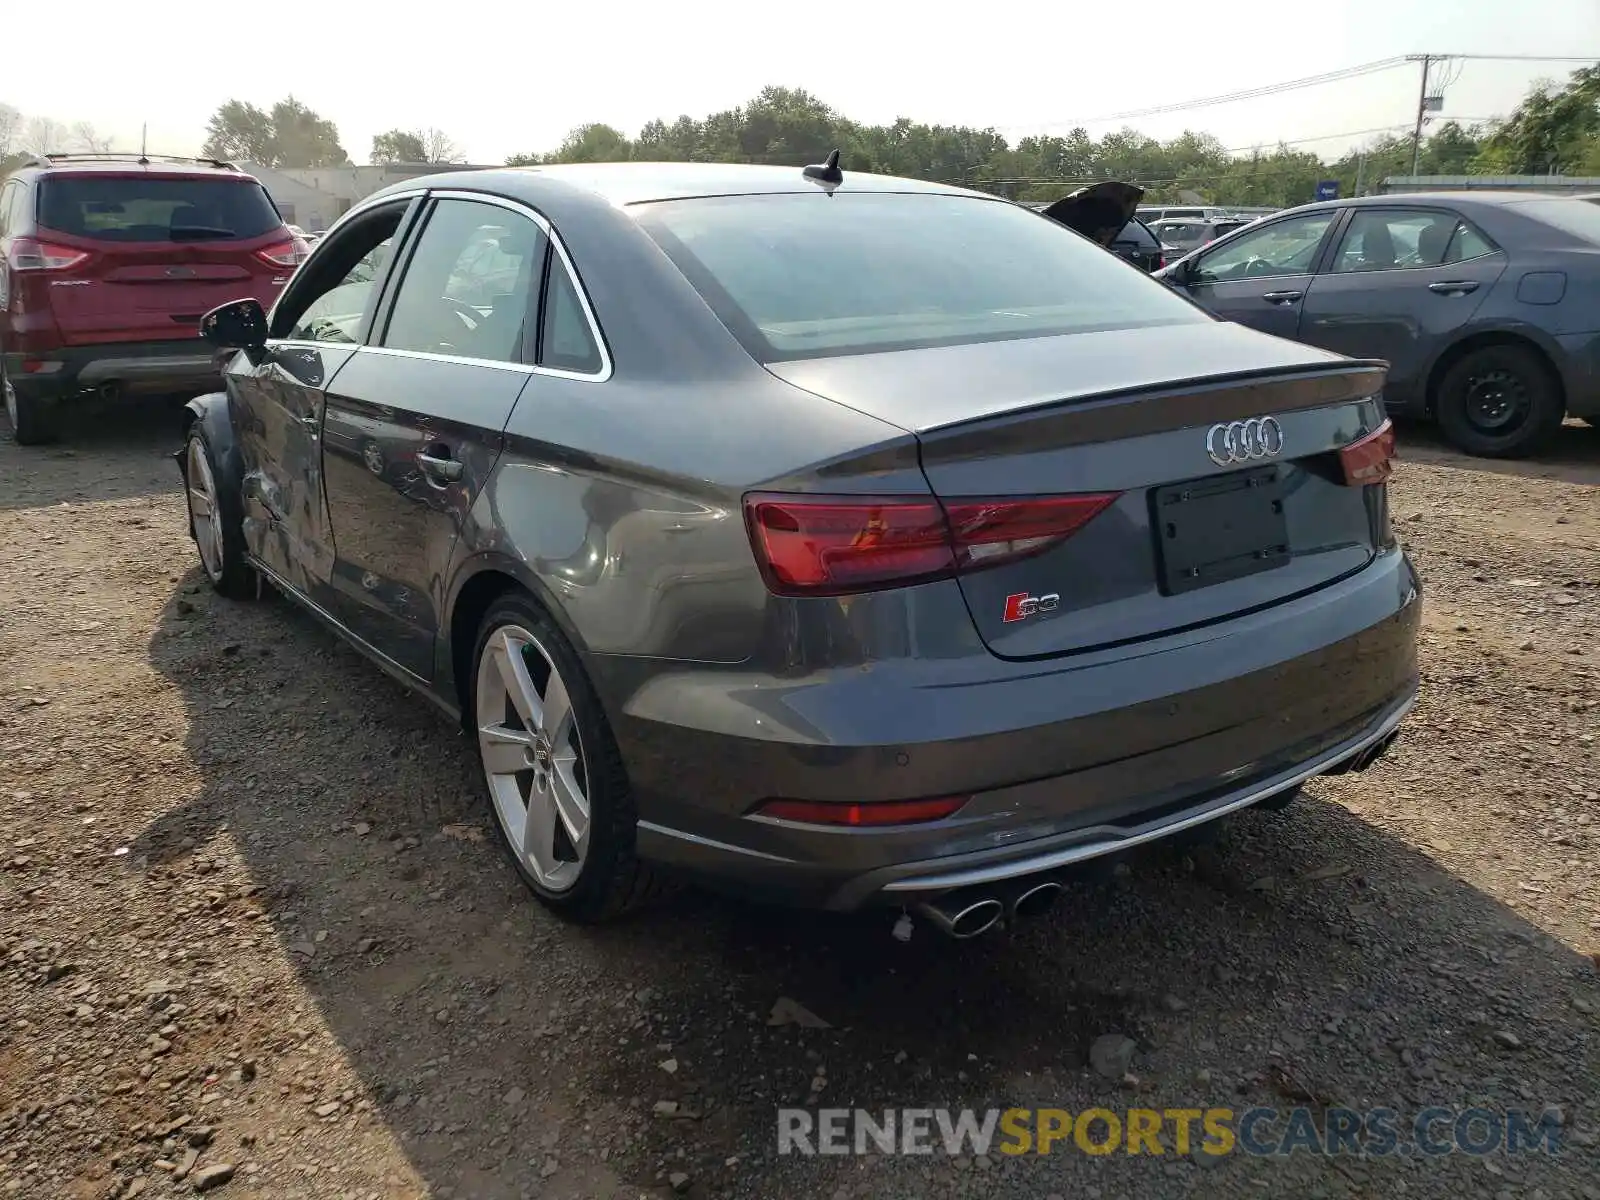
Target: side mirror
<point>236,325</point>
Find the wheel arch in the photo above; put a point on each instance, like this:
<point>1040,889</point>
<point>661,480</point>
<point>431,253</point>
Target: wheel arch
<point>210,411</point>
<point>1479,340</point>
<point>478,582</point>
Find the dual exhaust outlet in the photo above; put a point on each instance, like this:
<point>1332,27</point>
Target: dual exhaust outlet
<point>968,912</point>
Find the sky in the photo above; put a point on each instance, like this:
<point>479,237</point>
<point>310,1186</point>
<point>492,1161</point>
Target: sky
<point>513,77</point>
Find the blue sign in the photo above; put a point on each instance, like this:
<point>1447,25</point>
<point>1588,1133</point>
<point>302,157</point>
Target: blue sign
<point>1328,189</point>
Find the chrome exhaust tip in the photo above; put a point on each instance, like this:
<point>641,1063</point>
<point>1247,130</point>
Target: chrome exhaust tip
<point>1035,899</point>
<point>963,916</point>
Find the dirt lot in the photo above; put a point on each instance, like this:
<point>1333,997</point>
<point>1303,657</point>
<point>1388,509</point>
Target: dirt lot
<point>249,917</point>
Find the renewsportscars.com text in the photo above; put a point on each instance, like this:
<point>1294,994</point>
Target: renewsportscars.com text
<point>1261,1131</point>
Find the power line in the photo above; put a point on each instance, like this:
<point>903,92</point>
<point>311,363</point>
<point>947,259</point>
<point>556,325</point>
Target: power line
<point>1344,73</point>
<point>1271,89</point>
<point>1552,58</point>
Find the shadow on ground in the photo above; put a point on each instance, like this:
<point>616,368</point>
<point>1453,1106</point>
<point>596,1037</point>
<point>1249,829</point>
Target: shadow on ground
<point>136,443</point>
<point>1306,955</point>
<point>1573,455</point>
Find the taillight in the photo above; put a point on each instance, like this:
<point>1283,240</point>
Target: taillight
<point>283,254</point>
<point>989,532</point>
<point>836,545</point>
<point>850,814</point>
<point>30,254</point>
<point>1371,459</point>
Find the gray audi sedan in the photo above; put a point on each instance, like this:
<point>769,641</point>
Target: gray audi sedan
<point>846,540</point>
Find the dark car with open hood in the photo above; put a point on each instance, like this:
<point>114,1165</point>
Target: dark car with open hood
<point>1105,213</point>
<point>845,540</point>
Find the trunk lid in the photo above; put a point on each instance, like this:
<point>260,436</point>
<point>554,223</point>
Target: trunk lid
<point>161,250</point>
<point>1098,211</point>
<point>1186,540</point>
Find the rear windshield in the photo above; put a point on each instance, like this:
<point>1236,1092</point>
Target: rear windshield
<point>1137,234</point>
<point>808,275</point>
<point>152,208</point>
<point>1182,234</point>
<point>1567,214</point>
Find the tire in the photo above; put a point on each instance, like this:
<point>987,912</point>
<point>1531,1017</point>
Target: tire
<point>1500,401</point>
<point>589,878</point>
<point>33,421</point>
<point>216,518</point>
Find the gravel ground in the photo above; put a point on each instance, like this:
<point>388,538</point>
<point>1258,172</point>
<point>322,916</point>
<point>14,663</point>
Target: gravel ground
<point>253,936</point>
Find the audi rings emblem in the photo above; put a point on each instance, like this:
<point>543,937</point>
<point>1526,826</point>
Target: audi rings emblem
<point>1244,441</point>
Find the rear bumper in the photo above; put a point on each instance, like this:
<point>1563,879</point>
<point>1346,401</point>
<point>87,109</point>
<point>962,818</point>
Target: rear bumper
<point>140,367</point>
<point>1063,761</point>
<point>1580,373</point>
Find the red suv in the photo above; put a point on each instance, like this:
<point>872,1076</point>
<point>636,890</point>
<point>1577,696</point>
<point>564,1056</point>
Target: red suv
<point>107,263</point>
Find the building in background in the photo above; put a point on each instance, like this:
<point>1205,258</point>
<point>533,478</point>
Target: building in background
<point>314,197</point>
<point>1555,185</point>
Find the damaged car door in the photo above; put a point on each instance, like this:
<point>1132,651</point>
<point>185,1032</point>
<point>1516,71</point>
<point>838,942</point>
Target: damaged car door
<point>278,398</point>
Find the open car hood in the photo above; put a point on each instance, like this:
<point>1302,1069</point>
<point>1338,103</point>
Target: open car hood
<point>1098,211</point>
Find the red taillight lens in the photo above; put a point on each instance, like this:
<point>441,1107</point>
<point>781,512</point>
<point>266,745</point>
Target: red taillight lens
<point>30,254</point>
<point>837,545</point>
<point>818,546</point>
<point>874,813</point>
<point>990,532</point>
<point>1370,460</point>
<point>283,254</point>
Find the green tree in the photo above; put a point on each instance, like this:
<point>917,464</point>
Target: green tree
<point>398,146</point>
<point>290,135</point>
<point>240,130</point>
<point>304,139</point>
<point>1554,129</point>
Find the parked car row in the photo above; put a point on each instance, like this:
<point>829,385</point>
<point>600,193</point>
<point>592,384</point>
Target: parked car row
<point>1481,303</point>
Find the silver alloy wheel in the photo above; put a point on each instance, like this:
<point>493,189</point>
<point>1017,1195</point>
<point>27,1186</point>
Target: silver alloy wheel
<point>204,517</point>
<point>533,756</point>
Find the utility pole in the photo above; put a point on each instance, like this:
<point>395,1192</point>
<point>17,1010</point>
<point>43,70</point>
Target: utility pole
<point>1422,108</point>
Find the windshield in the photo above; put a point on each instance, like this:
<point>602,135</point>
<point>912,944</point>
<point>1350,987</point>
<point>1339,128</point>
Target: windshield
<point>149,208</point>
<point>1568,215</point>
<point>806,275</point>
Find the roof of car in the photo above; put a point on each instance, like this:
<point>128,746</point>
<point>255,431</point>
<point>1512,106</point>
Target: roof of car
<point>1457,198</point>
<point>131,164</point>
<point>641,182</point>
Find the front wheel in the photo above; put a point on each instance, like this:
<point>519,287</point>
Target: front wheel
<point>556,782</point>
<point>1499,402</point>
<point>214,519</point>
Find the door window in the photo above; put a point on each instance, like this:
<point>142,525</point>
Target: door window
<point>1392,239</point>
<point>336,315</point>
<point>334,294</point>
<point>568,343</point>
<point>466,291</point>
<point>1287,247</point>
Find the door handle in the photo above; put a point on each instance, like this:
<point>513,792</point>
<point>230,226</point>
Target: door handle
<point>1281,297</point>
<point>313,424</point>
<point>1454,287</point>
<point>440,468</point>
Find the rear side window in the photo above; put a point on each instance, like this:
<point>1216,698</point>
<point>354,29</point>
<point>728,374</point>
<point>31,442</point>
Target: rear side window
<point>154,208</point>
<point>806,275</point>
